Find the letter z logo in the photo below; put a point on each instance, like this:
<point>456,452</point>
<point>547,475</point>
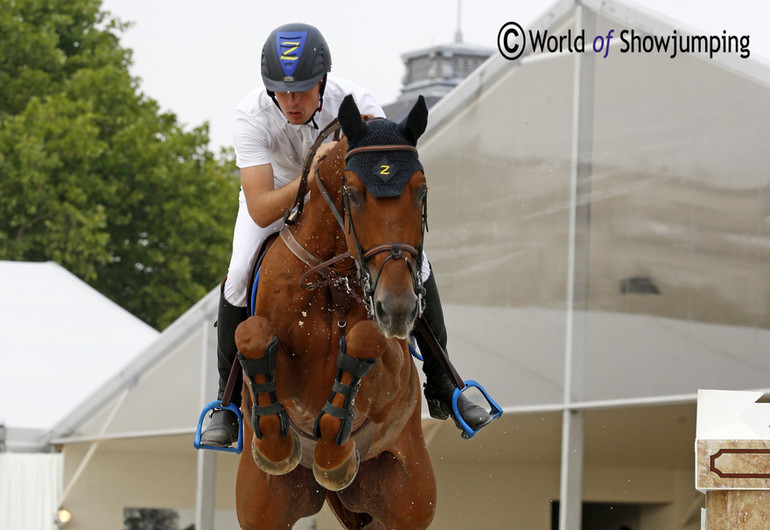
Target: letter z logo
<point>385,169</point>
<point>289,47</point>
<point>287,55</point>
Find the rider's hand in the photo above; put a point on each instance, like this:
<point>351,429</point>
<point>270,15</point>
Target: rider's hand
<point>323,150</point>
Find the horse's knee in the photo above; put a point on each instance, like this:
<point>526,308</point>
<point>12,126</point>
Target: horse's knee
<point>364,340</point>
<point>253,336</point>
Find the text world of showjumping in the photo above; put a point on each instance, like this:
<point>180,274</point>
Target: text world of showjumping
<point>672,45</point>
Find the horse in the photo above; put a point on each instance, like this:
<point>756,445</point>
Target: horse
<point>331,396</point>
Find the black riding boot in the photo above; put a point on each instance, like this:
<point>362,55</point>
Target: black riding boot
<point>222,430</point>
<point>439,387</point>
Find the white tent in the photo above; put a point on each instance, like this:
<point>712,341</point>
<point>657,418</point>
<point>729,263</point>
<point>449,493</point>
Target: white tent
<point>599,232</point>
<point>60,339</point>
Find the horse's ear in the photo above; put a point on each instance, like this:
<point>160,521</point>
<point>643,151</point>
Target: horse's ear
<point>414,125</point>
<point>350,119</point>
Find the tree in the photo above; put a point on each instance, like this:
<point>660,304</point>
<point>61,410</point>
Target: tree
<point>94,176</point>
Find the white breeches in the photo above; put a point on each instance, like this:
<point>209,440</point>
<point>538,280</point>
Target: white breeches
<point>247,238</point>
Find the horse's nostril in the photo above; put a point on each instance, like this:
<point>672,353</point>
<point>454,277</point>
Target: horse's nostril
<point>382,313</point>
<point>415,311</point>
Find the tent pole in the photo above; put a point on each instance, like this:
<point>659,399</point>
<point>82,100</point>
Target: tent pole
<point>92,449</point>
<point>205,489</point>
<point>571,480</point>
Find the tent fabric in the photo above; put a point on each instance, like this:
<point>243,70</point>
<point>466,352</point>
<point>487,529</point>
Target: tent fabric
<point>60,339</point>
<point>54,324</point>
<point>674,191</point>
<point>30,485</point>
<point>161,391</point>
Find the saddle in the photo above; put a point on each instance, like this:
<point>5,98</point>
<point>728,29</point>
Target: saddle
<point>254,275</point>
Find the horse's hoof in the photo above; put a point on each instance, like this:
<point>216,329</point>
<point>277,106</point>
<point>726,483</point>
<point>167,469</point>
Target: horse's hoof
<point>283,467</point>
<point>341,477</point>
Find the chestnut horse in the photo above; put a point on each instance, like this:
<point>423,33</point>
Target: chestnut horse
<point>331,395</point>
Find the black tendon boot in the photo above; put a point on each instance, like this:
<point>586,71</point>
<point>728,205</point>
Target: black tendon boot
<point>439,387</point>
<point>222,430</point>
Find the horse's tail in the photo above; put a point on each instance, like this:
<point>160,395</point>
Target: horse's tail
<point>347,518</point>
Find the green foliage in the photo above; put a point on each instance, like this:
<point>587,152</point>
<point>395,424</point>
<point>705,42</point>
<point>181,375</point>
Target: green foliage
<point>94,176</point>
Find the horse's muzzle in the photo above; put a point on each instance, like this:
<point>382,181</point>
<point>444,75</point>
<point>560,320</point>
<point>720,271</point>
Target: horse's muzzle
<point>395,314</point>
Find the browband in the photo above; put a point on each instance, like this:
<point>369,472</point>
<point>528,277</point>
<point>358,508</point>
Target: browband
<point>370,148</point>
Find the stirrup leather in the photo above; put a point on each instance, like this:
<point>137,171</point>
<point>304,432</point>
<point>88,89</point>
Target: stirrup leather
<point>264,366</point>
<point>358,368</point>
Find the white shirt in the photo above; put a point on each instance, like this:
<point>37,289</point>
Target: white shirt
<point>263,135</point>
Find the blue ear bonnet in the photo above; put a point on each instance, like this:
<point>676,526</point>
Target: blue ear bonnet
<point>384,173</point>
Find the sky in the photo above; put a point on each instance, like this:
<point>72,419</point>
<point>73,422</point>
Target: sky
<point>199,58</point>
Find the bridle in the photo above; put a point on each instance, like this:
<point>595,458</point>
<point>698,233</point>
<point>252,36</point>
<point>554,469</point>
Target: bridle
<point>396,251</point>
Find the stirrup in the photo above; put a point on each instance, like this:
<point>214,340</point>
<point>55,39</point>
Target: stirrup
<point>495,411</point>
<point>217,405</point>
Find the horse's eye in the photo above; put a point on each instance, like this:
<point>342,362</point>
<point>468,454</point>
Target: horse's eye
<point>422,193</point>
<point>353,196</point>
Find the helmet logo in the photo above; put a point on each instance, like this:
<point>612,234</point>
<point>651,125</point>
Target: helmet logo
<point>290,45</point>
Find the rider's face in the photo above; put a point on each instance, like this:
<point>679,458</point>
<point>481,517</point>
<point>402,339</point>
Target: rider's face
<point>298,106</point>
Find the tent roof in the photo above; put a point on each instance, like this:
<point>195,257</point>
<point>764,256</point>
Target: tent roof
<point>60,340</point>
<point>553,19</point>
<point>160,390</point>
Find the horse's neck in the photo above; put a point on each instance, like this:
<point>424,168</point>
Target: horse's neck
<point>319,231</point>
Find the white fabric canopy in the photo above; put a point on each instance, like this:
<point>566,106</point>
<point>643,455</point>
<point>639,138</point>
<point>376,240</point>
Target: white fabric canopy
<point>30,485</point>
<point>60,340</point>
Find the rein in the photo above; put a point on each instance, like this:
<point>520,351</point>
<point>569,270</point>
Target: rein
<point>339,277</point>
<point>295,211</point>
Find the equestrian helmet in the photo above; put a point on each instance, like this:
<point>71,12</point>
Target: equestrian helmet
<point>295,58</point>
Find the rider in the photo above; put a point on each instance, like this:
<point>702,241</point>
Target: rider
<point>274,130</point>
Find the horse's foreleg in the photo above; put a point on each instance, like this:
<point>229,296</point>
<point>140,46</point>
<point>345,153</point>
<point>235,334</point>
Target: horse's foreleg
<point>265,502</point>
<point>397,488</point>
<point>275,447</point>
<point>336,460</point>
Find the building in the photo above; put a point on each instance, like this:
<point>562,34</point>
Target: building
<point>435,71</point>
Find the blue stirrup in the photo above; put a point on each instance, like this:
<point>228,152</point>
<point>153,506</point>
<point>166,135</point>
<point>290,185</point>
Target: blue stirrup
<point>217,405</point>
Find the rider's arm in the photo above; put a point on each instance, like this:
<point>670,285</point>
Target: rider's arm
<point>267,203</point>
